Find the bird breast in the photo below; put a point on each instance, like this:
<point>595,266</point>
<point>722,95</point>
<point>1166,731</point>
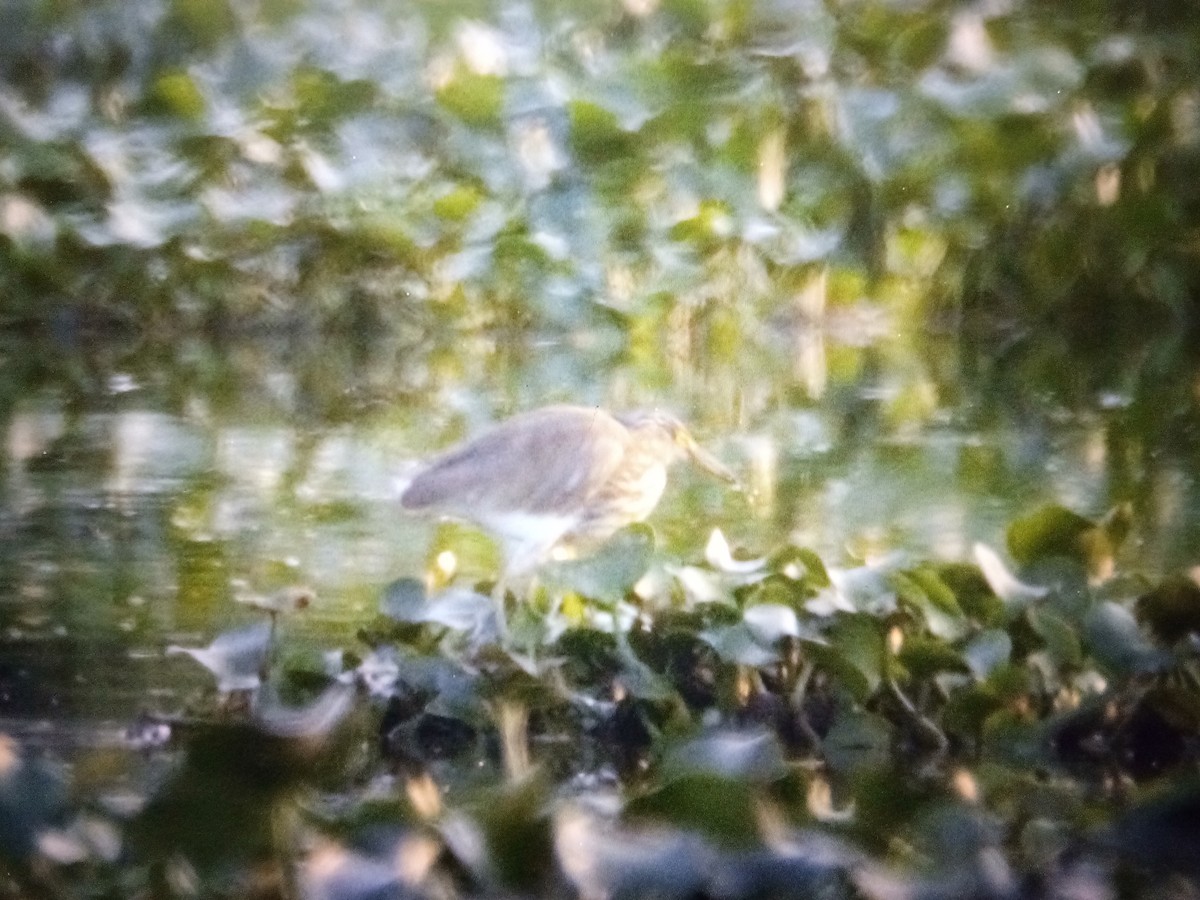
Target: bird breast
<point>629,496</point>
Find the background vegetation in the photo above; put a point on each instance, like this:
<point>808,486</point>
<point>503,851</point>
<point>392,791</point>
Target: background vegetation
<point>888,251</point>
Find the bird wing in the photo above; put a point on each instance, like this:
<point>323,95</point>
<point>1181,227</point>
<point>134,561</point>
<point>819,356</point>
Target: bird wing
<point>549,460</point>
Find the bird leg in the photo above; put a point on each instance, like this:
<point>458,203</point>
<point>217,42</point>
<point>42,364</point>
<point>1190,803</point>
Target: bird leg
<point>499,591</point>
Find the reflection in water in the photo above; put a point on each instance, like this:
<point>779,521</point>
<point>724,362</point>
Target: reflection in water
<point>133,512</point>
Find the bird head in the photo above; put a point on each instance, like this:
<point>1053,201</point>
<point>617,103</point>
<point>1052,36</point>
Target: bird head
<point>670,439</point>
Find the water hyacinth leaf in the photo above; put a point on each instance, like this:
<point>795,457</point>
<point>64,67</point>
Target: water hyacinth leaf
<point>1060,638</point>
<point>925,656</point>
<point>315,720</point>
<point>461,609</point>
<point>864,589</point>
<point>855,654</point>
<point>404,600</point>
<point>737,644</point>
<point>237,658</point>
<point>1011,681</point>
<point>725,809</point>
<point>199,23</point>
<point>596,132</point>
<point>333,872</point>
<point>857,743</point>
<point>1172,609</point>
<point>177,94</point>
<point>516,827</point>
<point>799,564</point>
<point>609,574</point>
<point>268,200</point>
<point>323,97</point>
<point>987,651</point>
<point>749,756</point>
<point>712,224</point>
<point>967,710</point>
<point>1015,593</point>
<point>828,602</point>
<point>1117,643</point>
<point>938,592</point>
<point>1036,79</point>
<point>1049,531</point>
<point>453,691</point>
<point>973,593</point>
<point>639,679</point>
<point>923,591</point>
<point>477,99</point>
<point>139,221</point>
<point>770,622</point>
<point>718,555</point>
<point>458,202</point>
<point>776,590</point>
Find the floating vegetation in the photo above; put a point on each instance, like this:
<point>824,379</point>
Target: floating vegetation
<point>904,728</point>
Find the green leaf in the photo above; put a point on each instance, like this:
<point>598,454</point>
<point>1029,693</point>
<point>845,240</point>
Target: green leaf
<point>973,593</point>
<point>458,203</point>
<point>200,24</point>
<point>1014,592</point>
<point>458,608</point>
<point>1049,531</point>
<point>178,94</point>
<point>921,589</point>
<point>639,679</point>
<point>725,809</point>
<point>967,710</point>
<point>1055,531</point>
<point>799,564</point>
<point>611,572</point>
<point>596,132</point>
<point>1059,637</point>
<point>855,654</point>
<point>516,826</point>
<point>926,656</point>
<point>858,742</point>
<point>1010,681</point>
<point>476,99</point>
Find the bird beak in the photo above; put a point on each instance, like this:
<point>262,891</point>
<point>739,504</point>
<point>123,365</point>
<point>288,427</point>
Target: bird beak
<point>709,463</point>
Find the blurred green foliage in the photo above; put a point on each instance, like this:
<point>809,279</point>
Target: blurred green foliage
<point>641,181</point>
<point>576,166</point>
<point>889,733</point>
